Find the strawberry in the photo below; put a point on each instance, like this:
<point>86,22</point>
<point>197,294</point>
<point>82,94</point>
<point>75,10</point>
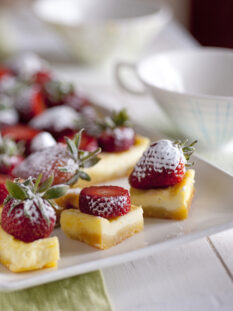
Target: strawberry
<point>10,155</point>
<point>42,77</point>
<point>55,92</point>
<point>4,71</point>
<point>77,102</point>
<point>88,143</point>
<point>3,193</point>
<point>57,120</point>
<point>28,212</point>
<point>104,201</point>
<point>4,178</point>
<point>161,165</point>
<point>116,135</point>
<point>20,132</point>
<point>29,103</point>
<point>63,161</point>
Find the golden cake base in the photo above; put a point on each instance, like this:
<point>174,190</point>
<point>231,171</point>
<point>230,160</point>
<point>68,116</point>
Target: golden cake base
<point>101,232</point>
<point>115,165</point>
<point>171,203</point>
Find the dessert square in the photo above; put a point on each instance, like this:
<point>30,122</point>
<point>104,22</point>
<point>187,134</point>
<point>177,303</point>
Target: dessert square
<point>172,202</point>
<point>100,232</point>
<point>115,165</point>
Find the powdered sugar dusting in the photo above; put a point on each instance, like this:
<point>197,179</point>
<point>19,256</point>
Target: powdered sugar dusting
<point>161,155</point>
<point>57,118</point>
<point>32,208</point>
<point>106,205</point>
<point>41,141</point>
<point>46,162</point>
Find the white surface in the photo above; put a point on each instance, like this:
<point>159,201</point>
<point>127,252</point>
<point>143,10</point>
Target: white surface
<point>211,212</point>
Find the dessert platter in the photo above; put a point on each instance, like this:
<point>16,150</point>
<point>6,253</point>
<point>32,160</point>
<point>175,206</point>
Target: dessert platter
<point>82,188</point>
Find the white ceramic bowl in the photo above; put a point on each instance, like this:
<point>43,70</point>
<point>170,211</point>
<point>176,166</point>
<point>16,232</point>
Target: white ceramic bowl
<point>97,29</point>
<point>194,88</point>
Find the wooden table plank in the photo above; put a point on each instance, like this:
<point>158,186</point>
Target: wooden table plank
<point>223,245</point>
<point>190,277</point>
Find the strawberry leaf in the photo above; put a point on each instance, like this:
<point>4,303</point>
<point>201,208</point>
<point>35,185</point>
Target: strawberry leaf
<point>15,190</point>
<point>55,192</point>
<point>84,176</point>
<point>46,184</point>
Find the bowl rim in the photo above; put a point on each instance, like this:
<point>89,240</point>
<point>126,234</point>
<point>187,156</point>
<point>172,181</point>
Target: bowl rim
<point>162,11</point>
<point>197,49</point>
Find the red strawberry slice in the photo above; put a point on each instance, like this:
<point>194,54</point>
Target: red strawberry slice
<point>31,227</point>
<point>3,193</point>
<point>104,201</point>
<point>88,143</point>
<point>117,139</point>
<point>161,165</point>
<point>20,132</point>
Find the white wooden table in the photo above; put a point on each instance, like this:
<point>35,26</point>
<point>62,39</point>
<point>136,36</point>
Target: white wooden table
<point>195,276</point>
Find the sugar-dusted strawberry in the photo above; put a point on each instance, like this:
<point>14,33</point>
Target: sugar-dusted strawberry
<point>20,132</point>
<point>3,193</point>
<point>57,120</point>
<point>41,141</point>
<point>88,143</point>
<point>104,201</point>
<point>56,92</point>
<point>10,155</point>
<point>116,135</point>
<point>77,102</point>
<point>4,178</point>
<point>65,162</point>
<point>28,212</point>
<point>161,165</point>
<point>41,77</point>
<point>29,103</point>
<point>5,71</point>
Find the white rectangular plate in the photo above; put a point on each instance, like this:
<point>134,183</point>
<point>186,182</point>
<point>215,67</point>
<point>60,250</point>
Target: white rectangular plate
<point>211,212</point>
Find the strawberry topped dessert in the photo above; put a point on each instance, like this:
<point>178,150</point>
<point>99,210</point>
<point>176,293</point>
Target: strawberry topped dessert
<point>160,182</point>
<point>10,155</point>
<point>116,134</point>
<point>105,217</point>
<point>27,220</point>
<point>64,161</point>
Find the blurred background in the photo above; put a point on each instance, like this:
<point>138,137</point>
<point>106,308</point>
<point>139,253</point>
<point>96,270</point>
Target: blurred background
<point>42,26</point>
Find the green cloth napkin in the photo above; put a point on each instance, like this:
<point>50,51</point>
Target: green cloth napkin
<point>85,292</point>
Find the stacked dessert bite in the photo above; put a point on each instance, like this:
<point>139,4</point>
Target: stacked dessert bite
<point>160,181</point>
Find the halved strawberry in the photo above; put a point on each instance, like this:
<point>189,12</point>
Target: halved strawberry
<point>88,143</point>
<point>20,132</point>
<point>161,165</point>
<point>104,201</point>
<point>28,212</point>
